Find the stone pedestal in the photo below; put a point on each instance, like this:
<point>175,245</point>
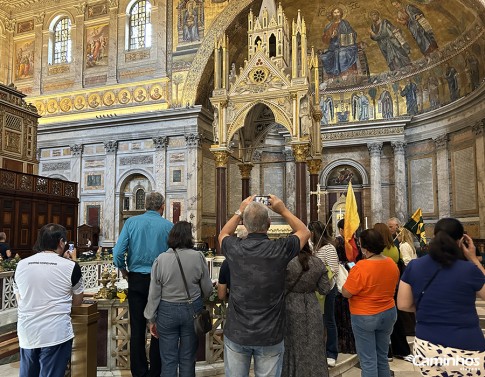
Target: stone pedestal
<point>84,348</point>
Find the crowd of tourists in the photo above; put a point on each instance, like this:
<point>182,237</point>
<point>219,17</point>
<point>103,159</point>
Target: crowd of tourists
<point>294,303</point>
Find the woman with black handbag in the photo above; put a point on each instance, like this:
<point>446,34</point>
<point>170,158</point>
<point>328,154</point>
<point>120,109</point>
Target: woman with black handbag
<point>179,280</point>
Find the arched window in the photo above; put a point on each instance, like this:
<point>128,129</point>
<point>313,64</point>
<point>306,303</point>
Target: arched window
<point>140,199</point>
<point>62,41</point>
<point>140,27</point>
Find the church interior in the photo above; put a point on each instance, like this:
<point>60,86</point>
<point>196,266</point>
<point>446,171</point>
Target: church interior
<point>210,101</point>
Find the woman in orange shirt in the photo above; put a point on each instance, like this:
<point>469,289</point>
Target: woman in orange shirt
<point>370,289</point>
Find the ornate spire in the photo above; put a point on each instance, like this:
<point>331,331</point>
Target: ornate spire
<point>270,7</point>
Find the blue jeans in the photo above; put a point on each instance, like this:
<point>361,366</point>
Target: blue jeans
<point>268,360</point>
<point>46,361</point>
<point>177,338</point>
<point>372,334</point>
<point>330,324</point>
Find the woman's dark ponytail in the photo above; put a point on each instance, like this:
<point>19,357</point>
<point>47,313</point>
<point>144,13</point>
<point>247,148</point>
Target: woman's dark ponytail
<point>444,247</point>
<point>304,256</point>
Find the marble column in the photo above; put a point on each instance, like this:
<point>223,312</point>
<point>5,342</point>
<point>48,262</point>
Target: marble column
<point>76,166</point>
<point>290,185</point>
<point>108,222</point>
<point>194,183</point>
<point>400,187</point>
<point>245,170</point>
<point>314,169</point>
<point>160,143</point>
<point>443,175</point>
<point>255,182</point>
<point>375,182</point>
<point>300,151</point>
<point>479,133</point>
<point>221,158</point>
<point>111,77</point>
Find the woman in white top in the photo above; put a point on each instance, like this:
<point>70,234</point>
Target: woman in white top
<point>325,250</point>
<point>406,246</point>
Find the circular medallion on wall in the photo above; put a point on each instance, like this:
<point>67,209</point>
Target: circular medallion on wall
<point>40,107</point>
<point>80,103</point>
<point>140,94</point>
<point>109,98</point>
<point>66,104</point>
<point>52,106</point>
<point>94,100</point>
<point>124,96</point>
<point>156,92</point>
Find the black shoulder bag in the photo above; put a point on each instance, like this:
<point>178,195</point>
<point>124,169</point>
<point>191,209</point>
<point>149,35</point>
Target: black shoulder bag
<point>203,319</point>
<point>418,300</point>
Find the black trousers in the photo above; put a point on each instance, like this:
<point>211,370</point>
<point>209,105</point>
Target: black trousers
<point>138,286</point>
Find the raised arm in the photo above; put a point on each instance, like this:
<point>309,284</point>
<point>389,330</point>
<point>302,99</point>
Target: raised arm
<point>299,228</point>
<point>233,222</point>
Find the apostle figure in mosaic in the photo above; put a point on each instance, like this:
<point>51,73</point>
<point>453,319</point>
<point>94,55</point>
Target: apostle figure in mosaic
<point>451,75</point>
<point>410,92</point>
<point>418,25</point>
<point>360,106</point>
<point>390,40</point>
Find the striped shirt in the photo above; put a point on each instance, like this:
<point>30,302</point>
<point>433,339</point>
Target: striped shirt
<point>328,255</point>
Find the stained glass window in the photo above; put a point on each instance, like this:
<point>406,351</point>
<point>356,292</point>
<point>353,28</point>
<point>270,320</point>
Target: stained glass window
<point>62,41</point>
<point>140,25</point>
<point>140,199</point>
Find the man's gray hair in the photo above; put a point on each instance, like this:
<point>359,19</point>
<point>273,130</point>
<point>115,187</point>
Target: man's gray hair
<point>396,220</point>
<point>256,218</point>
<point>3,236</point>
<point>153,201</point>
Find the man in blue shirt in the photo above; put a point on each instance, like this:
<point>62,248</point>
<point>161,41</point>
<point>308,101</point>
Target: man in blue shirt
<point>143,238</point>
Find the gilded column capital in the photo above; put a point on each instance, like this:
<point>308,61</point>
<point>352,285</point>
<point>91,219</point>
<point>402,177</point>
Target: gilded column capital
<point>301,152</point>
<point>314,166</point>
<point>221,158</point>
<point>375,149</point>
<point>441,141</point>
<point>245,170</point>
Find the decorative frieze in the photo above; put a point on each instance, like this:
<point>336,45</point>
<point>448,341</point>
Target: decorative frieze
<point>58,69</point>
<point>367,133</point>
<point>137,55</point>
<point>53,166</point>
<point>136,160</point>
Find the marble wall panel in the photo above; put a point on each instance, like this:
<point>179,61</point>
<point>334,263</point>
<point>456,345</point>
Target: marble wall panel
<point>464,180</point>
<point>273,180</point>
<point>421,180</point>
<point>209,188</point>
<point>234,192</point>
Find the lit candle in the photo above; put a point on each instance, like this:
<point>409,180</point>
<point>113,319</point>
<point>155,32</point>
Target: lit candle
<point>366,222</point>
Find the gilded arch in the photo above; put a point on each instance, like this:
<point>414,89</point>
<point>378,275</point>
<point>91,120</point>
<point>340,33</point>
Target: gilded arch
<point>278,112</point>
<point>206,49</point>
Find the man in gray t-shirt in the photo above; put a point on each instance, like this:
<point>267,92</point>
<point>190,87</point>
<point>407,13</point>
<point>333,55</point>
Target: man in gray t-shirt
<point>255,320</point>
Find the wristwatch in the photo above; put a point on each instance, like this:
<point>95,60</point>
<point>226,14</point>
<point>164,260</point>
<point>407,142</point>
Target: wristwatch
<point>239,213</point>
